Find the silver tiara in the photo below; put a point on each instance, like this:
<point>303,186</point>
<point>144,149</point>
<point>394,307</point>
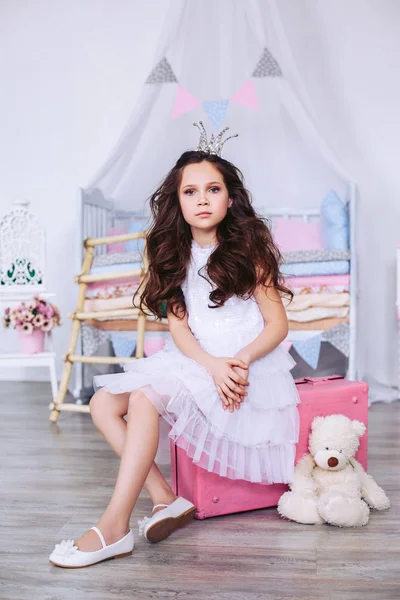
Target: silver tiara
<point>215,144</point>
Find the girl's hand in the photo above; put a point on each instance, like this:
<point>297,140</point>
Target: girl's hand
<point>245,374</point>
<point>230,384</point>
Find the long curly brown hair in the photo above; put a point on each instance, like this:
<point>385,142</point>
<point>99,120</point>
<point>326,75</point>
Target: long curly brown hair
<point>244,258</point>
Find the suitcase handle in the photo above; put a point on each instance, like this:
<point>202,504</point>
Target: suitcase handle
<point>318,380</point>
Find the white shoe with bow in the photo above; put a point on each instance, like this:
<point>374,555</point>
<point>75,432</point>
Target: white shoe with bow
<point>68,556</point>
<point>164,522</point>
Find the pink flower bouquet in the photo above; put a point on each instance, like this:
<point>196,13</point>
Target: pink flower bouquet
<point>37,314</point>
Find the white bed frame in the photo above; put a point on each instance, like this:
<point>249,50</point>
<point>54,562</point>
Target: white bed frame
<point>96,215</point>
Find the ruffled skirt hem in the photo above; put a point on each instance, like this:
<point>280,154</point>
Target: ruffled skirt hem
<point>239,445</point>
<point>271,462</point>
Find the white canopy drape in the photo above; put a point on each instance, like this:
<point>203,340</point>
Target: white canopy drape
<point>225,62</point>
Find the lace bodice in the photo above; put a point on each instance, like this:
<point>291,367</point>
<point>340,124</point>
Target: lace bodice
<point>228,327</point>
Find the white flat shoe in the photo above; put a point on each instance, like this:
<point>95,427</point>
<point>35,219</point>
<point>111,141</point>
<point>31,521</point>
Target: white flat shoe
<point>162,524</point>
<point>68,556</point>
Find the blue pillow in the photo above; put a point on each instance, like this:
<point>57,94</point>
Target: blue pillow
<point>334,222</point>
<point>136,226</point>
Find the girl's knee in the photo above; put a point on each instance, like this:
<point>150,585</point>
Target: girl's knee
<point>137,398</point>
<point>99,405</point>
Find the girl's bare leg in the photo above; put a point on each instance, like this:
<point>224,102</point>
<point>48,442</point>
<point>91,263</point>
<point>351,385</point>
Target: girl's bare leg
<point>108,411</point>
<point>137,459</point>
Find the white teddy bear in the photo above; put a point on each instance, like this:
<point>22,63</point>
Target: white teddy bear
<point>329,484</point>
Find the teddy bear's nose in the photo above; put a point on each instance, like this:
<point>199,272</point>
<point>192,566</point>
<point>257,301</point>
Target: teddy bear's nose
<point>332,461</point>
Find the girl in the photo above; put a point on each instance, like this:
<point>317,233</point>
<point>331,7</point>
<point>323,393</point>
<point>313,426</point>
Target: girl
<point>223,381</point>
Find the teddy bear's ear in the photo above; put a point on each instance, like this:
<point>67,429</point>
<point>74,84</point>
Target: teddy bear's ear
<point>358,427</point>
<point>316,423</point>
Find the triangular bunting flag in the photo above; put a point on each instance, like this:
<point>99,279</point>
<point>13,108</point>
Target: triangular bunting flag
<point>216,111</point>
<point>309,350</point>
<point>184,102</point>
<point>92,339</point>
<point>286,345</point>
<point>339,336</point>
<point>153,345</point>
<point>267,66</point>
<point>123,346</point>
<point>247,96</point>
<point>162,73</point>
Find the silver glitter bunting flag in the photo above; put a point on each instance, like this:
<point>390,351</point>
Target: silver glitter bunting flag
<point>267,66</point>
<point>162,73</point>
<point>339,337</point>
<point>92,338</point>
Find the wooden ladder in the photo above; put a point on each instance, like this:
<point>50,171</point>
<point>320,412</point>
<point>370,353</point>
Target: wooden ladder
<point>79,316</point>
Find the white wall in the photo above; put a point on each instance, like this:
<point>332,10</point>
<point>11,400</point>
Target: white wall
<point>70,74</point>
<point>72,71</point>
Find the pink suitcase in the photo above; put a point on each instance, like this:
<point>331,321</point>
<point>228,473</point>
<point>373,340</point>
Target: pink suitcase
<point>214,495</point>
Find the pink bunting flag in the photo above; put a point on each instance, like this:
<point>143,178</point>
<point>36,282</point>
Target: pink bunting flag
<point>286,345</point>
<point>184,102</point>
<point>246,96</point>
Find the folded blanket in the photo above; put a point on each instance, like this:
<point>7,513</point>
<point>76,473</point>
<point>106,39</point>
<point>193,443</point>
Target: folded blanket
<point>319,289</point>
<point>329,267</point>
<point>115,268</point>
<point>115,258</point>
<point>302,256</point>
<point>297,256</point>
<point>319,312</point>
<point>319,324</point>
<point>112,290</point>
<point>305,301</point>
<point>96,304</point>
<point>318,280</point>
<point>126,324</point>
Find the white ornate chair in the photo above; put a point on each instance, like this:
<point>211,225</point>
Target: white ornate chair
<point>22,275</point>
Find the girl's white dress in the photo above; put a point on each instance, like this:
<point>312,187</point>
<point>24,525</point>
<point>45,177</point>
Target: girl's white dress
<point>255,443</point>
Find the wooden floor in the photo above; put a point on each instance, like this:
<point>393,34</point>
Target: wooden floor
<point>55,480</point>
